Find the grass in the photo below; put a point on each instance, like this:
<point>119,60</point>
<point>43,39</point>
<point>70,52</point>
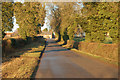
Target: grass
<point>96,56</point>
<point>61,42</point>
<point>108,40</point>
<point>79,39</point>
<point>24,65</point>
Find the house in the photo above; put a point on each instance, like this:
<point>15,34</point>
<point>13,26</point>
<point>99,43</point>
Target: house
<point>46,34</point>
<point>80,32</point>
<point>11,34</point>
<point>8,34</point>
<point>80,35</point>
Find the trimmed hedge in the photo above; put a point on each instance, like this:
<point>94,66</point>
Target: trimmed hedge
<point>9,45</point>
<point>109,51</point>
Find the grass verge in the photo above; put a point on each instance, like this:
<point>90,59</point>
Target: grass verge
<point>23,63</point>
<point>96,56</point>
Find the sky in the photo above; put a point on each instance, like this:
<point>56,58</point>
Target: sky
<point>47,21</point>
<point>22,1</point>
<point>14,19</point>
<point>15,25</point>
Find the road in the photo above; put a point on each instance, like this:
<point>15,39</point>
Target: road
<point>58,62</point>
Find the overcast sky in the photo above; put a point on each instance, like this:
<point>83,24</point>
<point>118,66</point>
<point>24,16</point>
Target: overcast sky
<point>47,21</point>
<point>22,1</point>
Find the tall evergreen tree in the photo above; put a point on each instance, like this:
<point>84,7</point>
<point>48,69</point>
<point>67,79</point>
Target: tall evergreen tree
<point>30,16</point>
<point>7,14</point>
<point>99,19</point>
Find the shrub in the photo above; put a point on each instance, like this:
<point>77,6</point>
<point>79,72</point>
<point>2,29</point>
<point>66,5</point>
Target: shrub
<point>7,47</point>
<point>70,43</point>
<point>13,42</point>
<point>108,40</point>
<point>28,39</point>
<point>20,42</point>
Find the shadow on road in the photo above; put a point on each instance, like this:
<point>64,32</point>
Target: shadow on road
<point>53,46</point>
<point>52,42</point>
<point>56,50</point>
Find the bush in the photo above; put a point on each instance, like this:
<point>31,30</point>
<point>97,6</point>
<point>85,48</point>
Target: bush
<point>108,40</point>
<point>75,45</point>
<point>28,40</point>
<point>7,46</point>
<point>79,39</point>
<point>70,43</point>
<point>20,42</point>
<point>13,42</point>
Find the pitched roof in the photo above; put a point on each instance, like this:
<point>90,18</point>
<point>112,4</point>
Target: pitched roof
<point>8,32</point>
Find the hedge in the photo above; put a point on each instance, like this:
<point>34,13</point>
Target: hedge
<point>11,44</point>
<point>109,51</point>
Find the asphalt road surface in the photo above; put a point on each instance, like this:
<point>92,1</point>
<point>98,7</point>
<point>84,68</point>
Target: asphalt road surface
<point>58,62</point>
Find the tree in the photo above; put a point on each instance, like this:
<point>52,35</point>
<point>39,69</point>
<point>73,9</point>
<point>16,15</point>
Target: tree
<point>7,14</point>
<point>63,20</point>
<point>39,30</point>
<point>3,34</point>
<point>56,21</point>
<point>71,30</point>
<point>68,24</point>
<point>100,18</point>
<point>95,19</point>
<point>30,17</point>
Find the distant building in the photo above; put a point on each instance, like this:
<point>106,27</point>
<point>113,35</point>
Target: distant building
<point>79,32</point>
<point>11,34</point>
<point>80,35</point>
<point>8,34</point>
<point>47,34</point>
